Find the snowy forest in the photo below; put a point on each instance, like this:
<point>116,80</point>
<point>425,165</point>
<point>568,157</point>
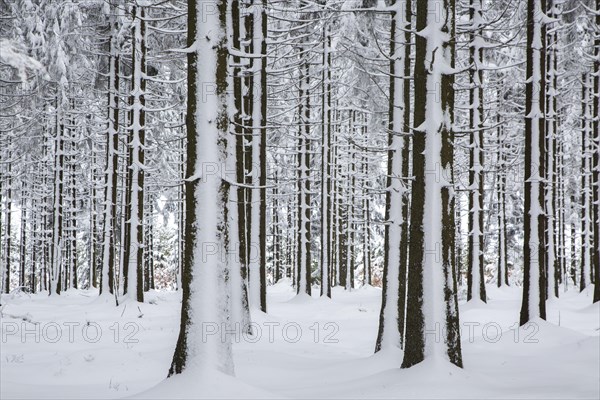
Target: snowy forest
<point>300,198</point>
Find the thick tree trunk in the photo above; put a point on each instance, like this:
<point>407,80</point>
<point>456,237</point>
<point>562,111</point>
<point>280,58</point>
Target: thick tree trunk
<point>431,295</point>
<point>205,282</point>
<point>534,270</point>
<point>134,242</point>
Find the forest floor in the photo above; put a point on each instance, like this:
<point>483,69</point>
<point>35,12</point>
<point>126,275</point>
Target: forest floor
<point>79,346</point>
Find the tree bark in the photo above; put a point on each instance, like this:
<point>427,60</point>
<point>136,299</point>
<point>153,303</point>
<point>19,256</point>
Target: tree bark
<point>534,269</point>
<point>431,293</point>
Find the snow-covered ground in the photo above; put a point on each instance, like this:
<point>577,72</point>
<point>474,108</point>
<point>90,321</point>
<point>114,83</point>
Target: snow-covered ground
<point>78,346</point>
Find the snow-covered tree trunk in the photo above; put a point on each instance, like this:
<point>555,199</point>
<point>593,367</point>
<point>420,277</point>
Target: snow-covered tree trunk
<point>325,257</point>
<point>277,239</point>
<point>261,44</point>
<point>574,222</point>
<point>562,226</point>
<point>181,209</point>
<point>596,156</point>
<point>431,292</point>
<point>551,278</point>
<point>7,224</point>
<point>107,276</point>
<point>23,240</point>
<point>534,267</point>
<point>502,272</point>
<point>93,229</point>
<point>350,217</point>
<point>240,312</point>
<point>257,261</point>
<point>134,280</point>
<point>57,233</point>
<point>392,306</point>
<point>235,35</point>
<point>148,240</point>
<point>73,256</point>
<point>303,276</point>
<point>406,168</point>
<point>586,195</point>
<point>205,282</point>
<point>475,276</point>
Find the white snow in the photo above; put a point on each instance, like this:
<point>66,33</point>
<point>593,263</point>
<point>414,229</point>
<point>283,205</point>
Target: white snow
<point>332,358</point>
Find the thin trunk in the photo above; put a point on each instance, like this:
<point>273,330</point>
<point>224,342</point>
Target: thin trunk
<point>107,277</point>
<point>391,328</point>
<point>303,277</point>
<point>475,275</point>
<point>550,139</point>
<point>23,241</point>
<point>596,159</point>
<point>586,229</point>
<point>325,256</point>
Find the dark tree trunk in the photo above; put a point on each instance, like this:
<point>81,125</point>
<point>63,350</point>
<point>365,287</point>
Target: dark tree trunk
<point>534,270</point>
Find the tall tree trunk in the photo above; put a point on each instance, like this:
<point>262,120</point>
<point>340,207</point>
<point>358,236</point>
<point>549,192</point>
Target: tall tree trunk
<point>277,239</point>
<point>325,257</point>
<point>574,220</point>
<point>502,271</point>
<point>8,225</point>
<point>405,227</point>
<point>205,285</point>
<point>107,277</point>
<point>262,67</point>
<point>596,158</point>
<point>534,269</point>
<point>303,277</point>
<point>257,262</point>
<point>550,139</point>
<point>74,282</point>
<point>134,251</point>
<point>93,232</point>
<point>475,275</point>
<point>236,215</point>
<point>432,304</point>
<point>586,229</point>
<point>57,234</point>
<point>391,316</point>
<point>23,241</point>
